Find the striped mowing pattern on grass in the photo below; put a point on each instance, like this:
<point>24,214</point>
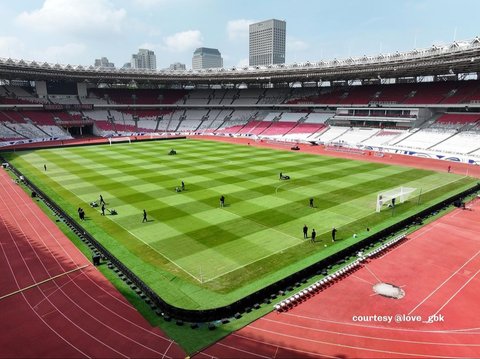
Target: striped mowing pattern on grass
<point>263,215</point>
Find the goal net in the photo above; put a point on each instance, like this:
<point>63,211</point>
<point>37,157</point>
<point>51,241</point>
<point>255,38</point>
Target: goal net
<point>122,139</point>
<point>396,195</point>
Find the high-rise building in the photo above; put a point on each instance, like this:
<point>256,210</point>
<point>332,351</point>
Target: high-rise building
<point>103,62</point>
<point>267,42</point>
<point>178,66</point>
<point>144,59</point>
<point>206,58</point>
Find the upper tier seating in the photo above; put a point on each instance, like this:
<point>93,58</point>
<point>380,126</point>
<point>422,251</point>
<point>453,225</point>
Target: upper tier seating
<point>11,116</point>
<point>139,96</point>
<point>406,93</point>
<point>458,118</point>
<point>40,117</point>
<point>425,93</point>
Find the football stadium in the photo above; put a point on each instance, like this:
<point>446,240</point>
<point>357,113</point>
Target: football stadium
<point>318,209</point>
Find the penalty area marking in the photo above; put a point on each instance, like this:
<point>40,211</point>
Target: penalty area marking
<point>43,281</point>
<point>430,190</point>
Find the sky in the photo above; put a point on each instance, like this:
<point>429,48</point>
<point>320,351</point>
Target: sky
<point>77,32</point>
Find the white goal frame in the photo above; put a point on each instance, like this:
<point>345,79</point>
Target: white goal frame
<point>400,193</point>
<point>119,139</point>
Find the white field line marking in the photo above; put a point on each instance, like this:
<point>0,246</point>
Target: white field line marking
<point>57,289</point>
<point>430,190</point>
<point>355,335</point>
<point>58,310</point>
<point>25,298</point>
<point>280,185</point>
<point>373,274</point>
<point>463,286</point>
<point>261,224</point>
<point>235,334</point>
<point>445,281</point>
<point>18,189</point>
<point>162,254</point>
<point>467,331</point>
<point>42,282</point>
<point>353,346</point>
<point>201,280</point>
<point>268,255</point>
<point>242,350</point>
<point>238,267</point>
<point>166,350</point>
<point>251,262</point>
<point>32,209</point>
<point>421,231</point>
<point>361,279</point>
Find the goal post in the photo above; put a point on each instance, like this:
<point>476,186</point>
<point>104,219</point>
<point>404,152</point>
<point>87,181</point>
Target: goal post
<point>121,139</point>
<point>396,195</point>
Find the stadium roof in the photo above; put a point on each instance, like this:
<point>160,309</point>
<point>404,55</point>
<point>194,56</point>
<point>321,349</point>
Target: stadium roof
<point>456,58</point>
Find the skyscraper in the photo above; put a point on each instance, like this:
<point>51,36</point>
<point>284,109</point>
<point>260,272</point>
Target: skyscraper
<point>206,58</point>
<point>103,62</point>
<point>144,59</point>
<point>177,66</point>
<point>267,42</point>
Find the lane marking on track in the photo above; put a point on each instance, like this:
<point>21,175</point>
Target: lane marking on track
<point>458,291</point>
<point>43,281</point>
<point>445,281</point>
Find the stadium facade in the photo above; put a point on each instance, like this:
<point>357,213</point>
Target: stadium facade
<point>424,102</point>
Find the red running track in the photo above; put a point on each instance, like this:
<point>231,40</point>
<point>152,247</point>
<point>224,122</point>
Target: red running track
<point>438,268</point>
<point>78,314</point>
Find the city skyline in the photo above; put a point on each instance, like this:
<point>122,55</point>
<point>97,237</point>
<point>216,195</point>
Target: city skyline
<point>78,32</point>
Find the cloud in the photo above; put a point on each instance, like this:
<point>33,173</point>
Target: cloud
<point>74,17</point>
<point>242,62</point>
<point>183,41</point>
<point>64,54</point>
<point>148,3</point>
<point>294,44</point>
<point>11,47</point>
<point>238,29</point>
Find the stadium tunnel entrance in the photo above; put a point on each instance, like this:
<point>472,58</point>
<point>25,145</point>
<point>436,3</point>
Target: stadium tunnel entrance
<point>80,131</point>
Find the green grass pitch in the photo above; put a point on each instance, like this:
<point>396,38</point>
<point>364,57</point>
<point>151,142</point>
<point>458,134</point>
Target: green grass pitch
<point>197,255</point>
